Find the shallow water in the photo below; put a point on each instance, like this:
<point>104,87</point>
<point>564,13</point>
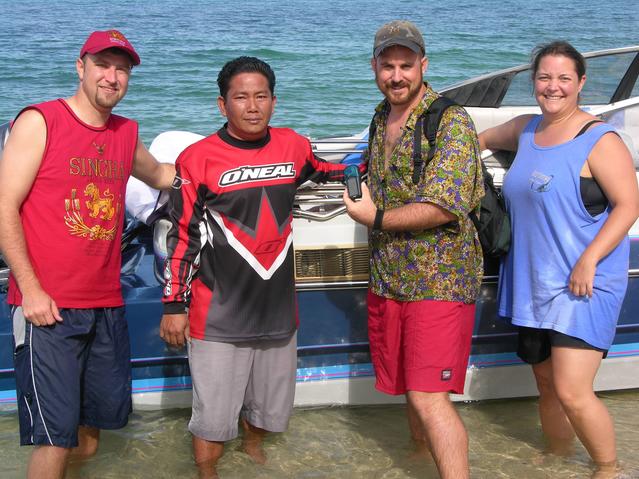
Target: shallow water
<point>353,442</point>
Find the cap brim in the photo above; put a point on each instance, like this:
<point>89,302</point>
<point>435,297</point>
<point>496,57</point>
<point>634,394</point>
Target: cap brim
<point>134,56</point>
<point>398,41</point>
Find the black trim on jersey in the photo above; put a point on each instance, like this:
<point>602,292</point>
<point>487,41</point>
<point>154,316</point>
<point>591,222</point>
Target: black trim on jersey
<point>309,173</point>
<point>187,268</point>
<point>245,145</point>
<point>174,307</point>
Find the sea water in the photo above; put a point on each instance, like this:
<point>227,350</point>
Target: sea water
<point>343,443</point>
<point>320,51</point>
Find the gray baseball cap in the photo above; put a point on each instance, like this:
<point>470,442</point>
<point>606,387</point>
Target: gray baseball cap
<point>399,32</point>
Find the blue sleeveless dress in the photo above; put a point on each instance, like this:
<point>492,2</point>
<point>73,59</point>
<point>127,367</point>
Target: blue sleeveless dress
<point>551,229</point>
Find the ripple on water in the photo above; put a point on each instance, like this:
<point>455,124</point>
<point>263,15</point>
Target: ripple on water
<point>358,442</point>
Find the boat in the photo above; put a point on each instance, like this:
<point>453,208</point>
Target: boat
<point>331,265</point>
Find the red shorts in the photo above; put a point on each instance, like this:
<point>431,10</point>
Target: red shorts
<point>419,345</point>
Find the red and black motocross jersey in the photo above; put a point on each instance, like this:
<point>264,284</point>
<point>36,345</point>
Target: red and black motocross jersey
<point>230,248</point>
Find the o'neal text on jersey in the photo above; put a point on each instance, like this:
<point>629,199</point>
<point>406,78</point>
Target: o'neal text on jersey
<point>247,174</point>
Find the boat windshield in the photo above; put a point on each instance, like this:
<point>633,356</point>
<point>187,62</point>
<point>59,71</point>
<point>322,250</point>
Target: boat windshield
<point>611,76</point>
<point>603,76</point>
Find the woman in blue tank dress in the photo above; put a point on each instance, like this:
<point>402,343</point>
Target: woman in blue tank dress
<point>572,197</point>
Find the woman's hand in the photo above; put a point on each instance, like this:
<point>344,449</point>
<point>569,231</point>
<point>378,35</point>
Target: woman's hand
<point>582,277</point>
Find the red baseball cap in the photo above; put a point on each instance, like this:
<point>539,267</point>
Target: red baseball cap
<point>101,40</point>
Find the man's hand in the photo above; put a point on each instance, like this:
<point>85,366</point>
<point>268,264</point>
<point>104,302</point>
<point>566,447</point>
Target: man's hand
<point>39,308</point>
<point>174,329</point>
<point>363,211</point>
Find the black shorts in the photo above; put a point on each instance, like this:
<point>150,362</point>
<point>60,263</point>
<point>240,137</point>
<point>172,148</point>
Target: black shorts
<point>534,344</point>
<point>76,372</point>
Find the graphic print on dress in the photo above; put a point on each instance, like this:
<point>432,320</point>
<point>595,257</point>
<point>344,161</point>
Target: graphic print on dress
<point>540,182</point>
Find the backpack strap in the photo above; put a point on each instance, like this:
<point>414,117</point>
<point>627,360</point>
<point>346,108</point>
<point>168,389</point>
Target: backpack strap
<point>372,129</point>
<point>427,125</point>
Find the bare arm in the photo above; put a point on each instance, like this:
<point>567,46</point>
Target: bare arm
<point>504,136</point>
<point>147,169</point>
<point>410,217</point>
<point>18,169</point>
<point>611,165</point>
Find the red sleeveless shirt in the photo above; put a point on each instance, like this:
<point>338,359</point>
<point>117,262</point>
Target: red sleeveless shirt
<point>73,215</point>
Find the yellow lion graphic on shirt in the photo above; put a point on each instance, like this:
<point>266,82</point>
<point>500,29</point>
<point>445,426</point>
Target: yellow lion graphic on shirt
<point>97,204</point>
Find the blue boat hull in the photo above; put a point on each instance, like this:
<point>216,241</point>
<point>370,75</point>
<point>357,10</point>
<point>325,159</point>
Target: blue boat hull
<point>332,340</point>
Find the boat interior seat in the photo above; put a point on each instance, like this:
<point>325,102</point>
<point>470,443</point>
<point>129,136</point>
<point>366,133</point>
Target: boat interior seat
<point>633,146</point>
<point>4,134</point>
<point>4,269</point>
<point>485,118</point>
<point>626,122</point>
<point>632,133</point>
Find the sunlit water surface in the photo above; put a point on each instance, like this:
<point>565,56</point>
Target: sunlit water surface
<point>353,442</point>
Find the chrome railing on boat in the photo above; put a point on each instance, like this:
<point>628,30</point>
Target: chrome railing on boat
<point>336,141</point>
<point>324,202</point>
<point>329,147</point>
<point>320,203</point>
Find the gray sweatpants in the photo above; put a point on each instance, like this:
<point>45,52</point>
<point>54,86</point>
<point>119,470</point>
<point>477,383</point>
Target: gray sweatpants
<point>253,378</point>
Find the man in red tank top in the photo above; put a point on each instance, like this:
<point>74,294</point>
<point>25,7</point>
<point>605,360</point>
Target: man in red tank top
<point>63,178</point>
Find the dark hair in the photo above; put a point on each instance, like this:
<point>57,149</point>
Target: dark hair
<point>558,48</point>
<point>244,65</point>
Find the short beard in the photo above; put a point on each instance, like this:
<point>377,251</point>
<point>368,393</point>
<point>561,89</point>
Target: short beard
<point>106,103</point>
<point>408,99</point>
<point>412,94</point>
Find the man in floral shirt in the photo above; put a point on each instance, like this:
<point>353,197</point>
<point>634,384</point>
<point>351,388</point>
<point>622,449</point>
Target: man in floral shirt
<point>426,260</point>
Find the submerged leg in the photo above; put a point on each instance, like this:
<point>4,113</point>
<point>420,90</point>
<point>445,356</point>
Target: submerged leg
<point>445,432</point>
<point>574,372</point>
<point>252,442</point>
<point>554,423</point>
<point>48,462</point>
<point>418,435</point>
<point>206,454</point>
<point>88,440</point>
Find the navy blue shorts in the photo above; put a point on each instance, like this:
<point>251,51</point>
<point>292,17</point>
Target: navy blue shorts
<point>77,372</point>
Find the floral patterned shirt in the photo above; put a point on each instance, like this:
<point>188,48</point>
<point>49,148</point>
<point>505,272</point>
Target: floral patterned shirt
<point>443,263</point>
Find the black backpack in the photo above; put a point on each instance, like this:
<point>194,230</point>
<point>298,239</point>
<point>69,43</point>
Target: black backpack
<point>493,223</point>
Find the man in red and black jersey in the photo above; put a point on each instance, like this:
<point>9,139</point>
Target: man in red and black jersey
<point>230,265</point>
